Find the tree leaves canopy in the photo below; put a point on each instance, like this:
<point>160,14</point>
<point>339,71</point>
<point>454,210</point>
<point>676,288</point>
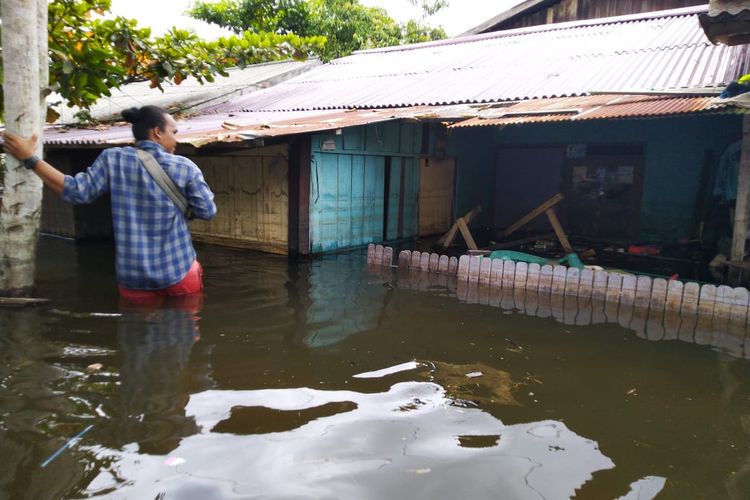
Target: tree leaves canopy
<point>90,55</point>
<point>347,24</point>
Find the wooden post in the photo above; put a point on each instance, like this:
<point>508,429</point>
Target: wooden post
<point>552,216</point>
<point>743,196</point>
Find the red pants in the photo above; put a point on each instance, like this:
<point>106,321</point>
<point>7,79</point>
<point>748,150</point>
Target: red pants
<point>187,288</point>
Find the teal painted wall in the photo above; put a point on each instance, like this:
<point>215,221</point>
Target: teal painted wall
<point>348,203</point>
<point>674,154</point>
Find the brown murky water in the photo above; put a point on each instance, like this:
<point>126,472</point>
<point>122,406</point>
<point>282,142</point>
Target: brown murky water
<point>326,380</point>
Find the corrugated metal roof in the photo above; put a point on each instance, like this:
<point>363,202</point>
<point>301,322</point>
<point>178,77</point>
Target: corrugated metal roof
<point>190,93</point>
<point>234,127</point>
<point>596,107</point>
<point>656,50</point>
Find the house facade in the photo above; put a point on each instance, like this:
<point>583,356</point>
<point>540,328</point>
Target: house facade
<point>618,114</point>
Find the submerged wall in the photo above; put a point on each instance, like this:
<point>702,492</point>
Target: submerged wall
<point>676,151</point>
<point>364,185</point>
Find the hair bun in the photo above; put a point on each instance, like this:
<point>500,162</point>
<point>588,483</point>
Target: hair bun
<point>131,115</point>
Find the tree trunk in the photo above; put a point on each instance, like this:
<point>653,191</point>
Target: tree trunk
<point>21,205</point>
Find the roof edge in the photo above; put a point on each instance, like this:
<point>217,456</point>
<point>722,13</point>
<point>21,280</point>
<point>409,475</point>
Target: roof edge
<point>683,11</point>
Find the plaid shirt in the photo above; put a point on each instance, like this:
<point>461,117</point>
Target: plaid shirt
<point>152,239</point>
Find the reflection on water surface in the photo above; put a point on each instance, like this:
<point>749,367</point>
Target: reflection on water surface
<point>322,380</point>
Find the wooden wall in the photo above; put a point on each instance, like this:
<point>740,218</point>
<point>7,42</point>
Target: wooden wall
<point>252,199</point>
<point>364,185</point>
<point>574,10</point>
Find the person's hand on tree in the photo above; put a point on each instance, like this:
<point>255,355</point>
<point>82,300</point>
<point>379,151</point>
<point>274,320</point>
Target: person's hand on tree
<point>19,147</point>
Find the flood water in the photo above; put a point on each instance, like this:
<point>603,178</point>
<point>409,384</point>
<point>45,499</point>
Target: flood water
<point>324,380</point>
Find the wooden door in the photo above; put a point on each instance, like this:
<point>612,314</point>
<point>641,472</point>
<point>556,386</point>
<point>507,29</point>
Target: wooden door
<point>436,190</point>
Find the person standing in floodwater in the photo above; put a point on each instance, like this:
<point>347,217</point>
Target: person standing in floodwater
<point>154,250</point>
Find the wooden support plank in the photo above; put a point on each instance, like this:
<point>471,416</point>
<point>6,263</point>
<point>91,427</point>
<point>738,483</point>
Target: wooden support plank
<point>466,234</point>
<point>387,256</point>
<point>572,280</point>
<point>545,279</point>
<point>370,253</point>
<point>586,284</point>
<point>509,273</point>
<point>519,279</point>
<point>643,292</point>
<point>496,273</point>
<point>474,264</point>
<point>629,286</point>
<point>443,264</point>
<point>559,273</point>
<point>723,307</point>
<point>707,301</point>
<point>485,269</point>
<point>424,262</point>
<point>674,296</point>
<point>447,239</point>
<point>614,288</point>
<point>533,214</point>
<point>416,258</point>
<point>463,268</point>
<point>453,266</point>
<point>740,301</point>
<point>599,288</point>
<point>532,280</point>
<point>404,260</point>
<point>739,232</point>
<point>557,227</point>
<point>658,294</point>
<point>654,327</point>
<point>690,294</point>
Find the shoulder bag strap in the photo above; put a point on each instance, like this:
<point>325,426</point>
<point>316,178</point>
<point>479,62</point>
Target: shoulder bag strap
<point>164,181</point>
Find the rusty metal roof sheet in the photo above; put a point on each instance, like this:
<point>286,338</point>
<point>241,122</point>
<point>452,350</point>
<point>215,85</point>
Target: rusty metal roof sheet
<point>596,107</point>
<point>235,127</point>
<point>651,51</point>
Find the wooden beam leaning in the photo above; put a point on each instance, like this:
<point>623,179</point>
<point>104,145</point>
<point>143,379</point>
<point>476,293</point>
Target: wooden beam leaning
<point>552,216</point>
<point>470,243</point>
<point>534,214</point>
<point>447,239</point>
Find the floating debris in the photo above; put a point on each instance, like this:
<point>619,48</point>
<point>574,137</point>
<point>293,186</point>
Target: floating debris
<point>94,367</point>
<point>411,365</point>
<point>71,442</point>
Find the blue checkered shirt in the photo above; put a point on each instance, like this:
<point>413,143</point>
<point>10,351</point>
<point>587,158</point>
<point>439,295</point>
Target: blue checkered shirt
<point>154,249</point>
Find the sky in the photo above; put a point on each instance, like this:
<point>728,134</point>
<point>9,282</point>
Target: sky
<point>460,16</point>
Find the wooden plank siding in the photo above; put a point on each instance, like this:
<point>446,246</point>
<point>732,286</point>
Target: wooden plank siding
<point>364,185</point>
<point>252,199</point>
